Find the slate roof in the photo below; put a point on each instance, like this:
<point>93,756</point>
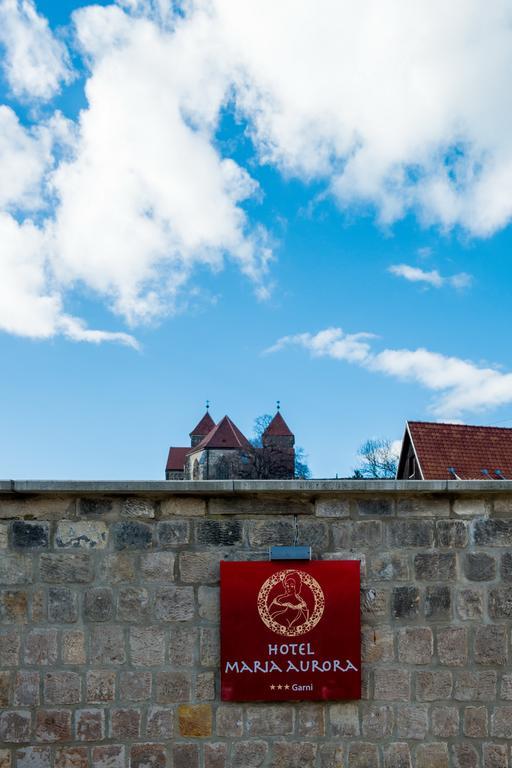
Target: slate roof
<point>225,435</point>
<point>176,459</point>
<point>278,427</point>
<point>474,453</point>
<point>205,425</point>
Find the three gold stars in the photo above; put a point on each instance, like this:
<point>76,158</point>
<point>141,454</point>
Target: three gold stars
<point>279,687</point>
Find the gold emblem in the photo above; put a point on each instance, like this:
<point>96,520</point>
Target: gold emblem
<point>291,602</point>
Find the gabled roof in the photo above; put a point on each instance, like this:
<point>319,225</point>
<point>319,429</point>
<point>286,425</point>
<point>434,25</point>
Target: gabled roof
<point>225,435</point>
<point>205,425</point>
<point>451,451</point>
<point>278,427</point>
<point>176,459</point>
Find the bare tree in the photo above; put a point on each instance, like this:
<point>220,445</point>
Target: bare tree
<point>378,460</point>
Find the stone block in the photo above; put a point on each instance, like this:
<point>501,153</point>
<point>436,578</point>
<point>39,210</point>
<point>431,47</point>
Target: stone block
<point>470,604</point>
<point>183,645</point>
<point>495,756</point>
<point>81,534</point>
<point>310,720</point>
<point>100,686</point>
<point>390,566</point>
<point>452,533</point>
<point>209,647</point>
<point>327,507</point>
<point>392,684</point>
<point>185,756</point>
<point>125,723</point>
<point>438,601</point>
<point>107,645</point>
<point>5,758</point>
<point>37,508</point>
<point>435,566</point>
<point>344,720</point>
<point>66,568</point>
<point>147,646</point>
<point>133,605</point>
<point>26,689</point>
<point>62,688</point>
<point>379,507</point>
<point>405,602</point>
<point>157,566</point>
<point>452,646</point>
<point>29,535</point>
<point>249,754</point>
<point>10,643</point>
<point>412,721</point>
<point>195,720</point>
<point>374,602</point>
<point>377,722</point>
<point>397,755</point>
<point>269,720</point>
<point>444,721</point>
<point>172,687</point>
<point>149,756</point>
<point>13,606</point>
<point>205,686</point>
<point>5,689</point>
<point>71,757</point>
<point>174,603</point>
<point>98,604</point>
<point>15,727</point>
<point>4,528</point>
<point>432,755</point>
<point>118,568</point>
<point>377,644</point>
<point>200,567</point>
<point>38,606</point>
<point>218,533</point>
<point>34,757</point>
<point>73,647</point>
<point>501,722</point>
<point>479,566</point>
<point>95,506</point>
<point>265,533</point>
<point>415,645</point>
<point>314,534</point>
<point>471,507</point>
<point>132,535</point>
<point>89,724</point>
<point>41,647</point>
<point>362,754</point>
<point>62,605</point>
<point>465,756</point>
<point>475,722</point>
<point>433,685</point>
<point>492,533</point>
<point>301,754</point>
<point>134,686</point>
<point>209,603</point>
<point>215,755</point>
<point>475,686</point>
<point>136,507</point>
<point>182,507</point>
<point>53,725</point>
<point>491,644</point>
<point>160,723</point>
<point>500,603</point>
<point>506,566</point>
<point>15,569</point>
<point>229,721</point>
<point>173,533</point>
<point>411,533</point>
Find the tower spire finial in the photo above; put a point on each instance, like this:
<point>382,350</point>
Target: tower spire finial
<point>207,405</point>
<point>278,404</point>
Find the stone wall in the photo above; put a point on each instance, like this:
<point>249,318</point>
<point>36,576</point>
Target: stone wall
<point>109,624</point>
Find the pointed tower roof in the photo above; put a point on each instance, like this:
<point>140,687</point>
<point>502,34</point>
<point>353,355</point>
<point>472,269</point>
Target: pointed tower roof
<point>225,435</point>
<point>205,425</point>
<point>278,427</point>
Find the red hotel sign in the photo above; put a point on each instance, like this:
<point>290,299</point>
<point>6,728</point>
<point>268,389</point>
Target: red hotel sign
<point>290,630</point>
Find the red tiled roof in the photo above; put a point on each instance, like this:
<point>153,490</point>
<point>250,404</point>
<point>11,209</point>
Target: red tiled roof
<point>224,435</point>
<point>176,459</point>
<point>205,425</point>
<point>278,427</point>
<point>467,449</point>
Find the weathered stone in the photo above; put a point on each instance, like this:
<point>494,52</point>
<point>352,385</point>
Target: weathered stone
<point>506,566</point>
<point>475,686</point>
<point>435,566</point>
<point>66,568</point>
<point>201,567</point>
<point>301,754</point>
<point>264,533</point>
<point>405,602</point>
<point>248,754</point>
<point>470,604</point>
<point>149,756</point>
<point>134,686</point>
<point>479,566</point>
<point>471,507</point>
<point>209,647</point>
<point>182,507</point>
<point>26,689</point>
<point>3,535</point>
<point>62,688</point>
<point>84,534</point>
<point>38,611</point>
<point>390,566</point>
<point>452,533</point>
<point>229,721</point>
<point>374,602</point>
<point>314,534</point>
<point>219,533</point>
<point>500,603</point>
<point>5,758</point>
<point>107,645</point>
<point>89,724</point>
<point>10,642</point>
<point>41,647</point>
<point>209,603</point>
<point>215,755</point>
<point>125,723</point>
<point>432,755</point>
<point>137,507</point>
<point>157,566</point>
<point>95,506</point>
<point>397,755</point>
<point>377,644</point>
<point>29,535</point>
<point>15,569</point>
<point>174,603</point>
<point>344,720</point>
<point>132,535</point>
<point>377,722</point>
<point>53,725</point>
<point>452,646</point>
<point>327,507</point>
<point>71,757</point>
<point>33,757</point>
<point>100,686</point>
<point>73,647</point>
<point>412,721</point>
<point>147,646</point>
<point>444,721</point>
<point>392,684</point>
<point>438,602</point>
<point>14,726</point>
<point>133,605</point>
<point>495,756</point>
<point>5,689</point>
<point>183,645</point>
<point>13,606</point>
<point>62,605</point>
<point>195,720</point>
<point>494,533</point>
<point>475,722</point>
<point>465,756</point>
<point>363,755</point>
<point>411,533</point>
<point>506,687</point>
<point>310,720</point>
<point>379,507</point>
<point>172,687</point>
<point>118,568</point>
<point>98,604</point>
<point>491,644</point>
<point>501,722</point>
<point>160,723</point>
<point>415,645</point>
<point>433,685</point>
<point>185,756</point>
<point>269,720</point>
<point>205,686</point>
<point>173,533</point>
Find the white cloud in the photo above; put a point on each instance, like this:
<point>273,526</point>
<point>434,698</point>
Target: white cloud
<point>463,385</point>
<point>432,277</point>
<point>35,62</point>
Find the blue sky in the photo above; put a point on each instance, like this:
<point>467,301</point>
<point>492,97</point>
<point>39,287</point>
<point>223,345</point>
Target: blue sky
<point>197,205</point>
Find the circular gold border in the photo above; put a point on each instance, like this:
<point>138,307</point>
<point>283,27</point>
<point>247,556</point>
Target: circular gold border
<point>300,629</point>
